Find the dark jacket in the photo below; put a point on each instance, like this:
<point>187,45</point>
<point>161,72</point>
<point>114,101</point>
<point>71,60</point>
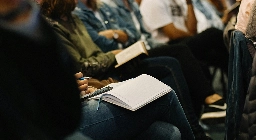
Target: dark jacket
<point>76,39</point>
<point>39,97</point>
<point>248,120</point>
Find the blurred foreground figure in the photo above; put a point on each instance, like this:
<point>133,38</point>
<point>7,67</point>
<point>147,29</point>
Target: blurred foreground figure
<point>39,97</point>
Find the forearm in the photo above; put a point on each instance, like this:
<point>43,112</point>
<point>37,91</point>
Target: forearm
<point>91,65</point>
<point>174,33</point>
<point>122,36</point>
<point>97,65</point>
<point>191,21</point>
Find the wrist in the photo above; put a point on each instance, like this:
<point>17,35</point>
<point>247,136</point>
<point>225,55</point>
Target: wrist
<point>115,35</point>
<point>189,2</point>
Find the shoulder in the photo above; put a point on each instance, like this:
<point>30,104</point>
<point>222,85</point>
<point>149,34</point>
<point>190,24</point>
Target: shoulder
<point>51,21</point>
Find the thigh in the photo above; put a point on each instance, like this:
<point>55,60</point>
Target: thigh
<point>113,122</point>
<point>160,131</point>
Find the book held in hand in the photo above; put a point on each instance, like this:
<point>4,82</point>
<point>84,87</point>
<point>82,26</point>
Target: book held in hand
<point>135,93</point>
<point>131,52</point>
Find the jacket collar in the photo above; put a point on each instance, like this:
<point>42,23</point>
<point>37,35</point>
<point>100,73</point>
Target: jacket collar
<point>81,6</point>
<point>120,3</point>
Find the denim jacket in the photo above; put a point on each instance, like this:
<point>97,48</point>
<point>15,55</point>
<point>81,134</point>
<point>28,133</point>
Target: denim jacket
<point>111,20</point>
<point>124,13</point>
<point>239,74</point>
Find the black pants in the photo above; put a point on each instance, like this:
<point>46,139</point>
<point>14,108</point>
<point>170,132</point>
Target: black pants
<point>199,86</point>
<point>208,47</point>
<point>195,54</point>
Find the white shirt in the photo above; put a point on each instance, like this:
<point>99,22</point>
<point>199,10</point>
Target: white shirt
<point>158,13</point>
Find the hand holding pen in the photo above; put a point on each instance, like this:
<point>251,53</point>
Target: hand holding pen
<point>83,84</point>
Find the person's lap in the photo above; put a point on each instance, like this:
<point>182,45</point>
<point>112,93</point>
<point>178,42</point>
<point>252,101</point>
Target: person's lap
<point>113,122</point>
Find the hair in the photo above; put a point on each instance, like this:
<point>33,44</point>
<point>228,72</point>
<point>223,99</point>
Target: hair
<point>94,4</point>
<point>57,8</point>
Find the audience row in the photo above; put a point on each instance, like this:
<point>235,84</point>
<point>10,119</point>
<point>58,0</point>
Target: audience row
<point>49,46</point>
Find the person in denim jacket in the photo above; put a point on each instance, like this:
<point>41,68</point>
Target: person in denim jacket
<point>143,34</point>
<point>110,32</point>
<point>240,65</point>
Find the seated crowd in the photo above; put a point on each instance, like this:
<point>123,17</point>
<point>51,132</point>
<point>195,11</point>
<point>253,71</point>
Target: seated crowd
<point>47,46</point>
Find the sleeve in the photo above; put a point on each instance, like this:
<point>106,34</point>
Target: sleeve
<point>92,66</point>
<point>116,23</point>
<point>156,14</point>
<point>104,43</point>
<point>127,27</point>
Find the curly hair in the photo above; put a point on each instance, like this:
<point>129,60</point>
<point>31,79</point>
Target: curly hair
<point>57,8</point>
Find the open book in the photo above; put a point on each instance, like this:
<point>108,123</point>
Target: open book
<point>131,52</point>
<point>135,93</point>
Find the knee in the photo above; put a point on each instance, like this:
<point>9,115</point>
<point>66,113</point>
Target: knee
<point>169,61</point>
<point>161,131</point>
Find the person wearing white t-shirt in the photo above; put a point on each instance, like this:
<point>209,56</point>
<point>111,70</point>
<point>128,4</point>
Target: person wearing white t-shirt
<point>175,21</point>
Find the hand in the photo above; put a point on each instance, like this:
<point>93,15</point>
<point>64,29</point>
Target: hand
<point>83,85</point>
<point>107,33</point>
<point>116,51</point>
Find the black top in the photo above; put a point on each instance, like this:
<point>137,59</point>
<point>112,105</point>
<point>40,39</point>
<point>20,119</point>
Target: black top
<point>39,97</point>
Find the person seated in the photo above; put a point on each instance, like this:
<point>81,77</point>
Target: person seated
<point>202,90</point>
<point>97,64</point>
<point>38,80</point>
<point>39,98</point>
<point>165,28</point>
<point>92,121</point>
<point>242,52</point>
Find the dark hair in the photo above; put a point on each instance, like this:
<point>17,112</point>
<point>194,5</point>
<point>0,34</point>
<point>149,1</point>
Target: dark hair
<point>57,8</point>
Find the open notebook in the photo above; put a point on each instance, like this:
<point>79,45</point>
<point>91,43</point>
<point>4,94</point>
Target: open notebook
<point>134,93</point>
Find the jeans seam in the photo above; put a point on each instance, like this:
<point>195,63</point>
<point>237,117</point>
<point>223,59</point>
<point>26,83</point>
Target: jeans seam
<point>98,122</point>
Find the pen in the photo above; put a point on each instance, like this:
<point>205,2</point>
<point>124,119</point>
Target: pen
<point>82,78</point>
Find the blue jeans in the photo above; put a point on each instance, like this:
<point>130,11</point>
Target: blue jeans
<point>168,70</point>
<point>113,122</point>
<point>240,63</point>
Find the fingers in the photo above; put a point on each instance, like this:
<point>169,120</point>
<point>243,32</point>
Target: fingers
<point>89,89</point>
<point>83,87</point>
<point>83,84</point>
<point>79,75</point>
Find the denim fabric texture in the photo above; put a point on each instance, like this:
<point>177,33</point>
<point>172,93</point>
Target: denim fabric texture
<point>160,131</point>
<point>106,122</point>
<point>111,21</point>
<point>240,63</point>
<point>165,109</point>
<point>124,13</point>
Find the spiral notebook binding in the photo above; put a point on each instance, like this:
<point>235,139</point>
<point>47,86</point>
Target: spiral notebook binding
<point>95,93</point>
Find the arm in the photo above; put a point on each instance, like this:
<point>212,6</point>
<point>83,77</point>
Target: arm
<point>126,31</point>
<point>103,42</point>
<point>109,34</point>
<point>104,37</point>
<point>157,16</point>
<point>191,21</point>
<point>93,65</point>
<point>174,33</point>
